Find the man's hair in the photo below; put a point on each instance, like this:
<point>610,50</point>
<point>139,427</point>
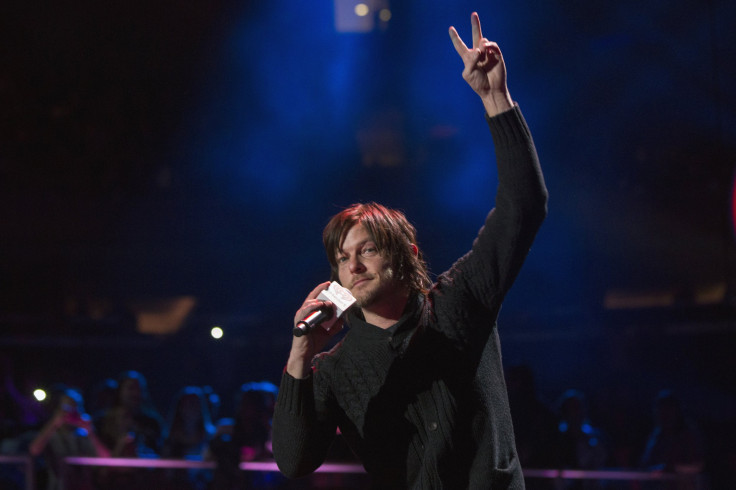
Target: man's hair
<point>393,235</point>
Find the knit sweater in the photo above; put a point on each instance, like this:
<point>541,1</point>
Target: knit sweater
<point>424,404</point>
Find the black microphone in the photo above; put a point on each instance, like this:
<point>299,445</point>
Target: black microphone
<point>312,320</point>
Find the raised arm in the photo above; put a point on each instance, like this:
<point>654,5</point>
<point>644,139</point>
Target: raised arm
<point>498,253</point>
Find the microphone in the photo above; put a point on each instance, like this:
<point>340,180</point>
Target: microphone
<point>339,296</point>
<point>312,320</point>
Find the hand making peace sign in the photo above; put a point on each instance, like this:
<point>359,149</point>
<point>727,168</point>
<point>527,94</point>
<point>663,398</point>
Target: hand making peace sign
<point>485,70</point>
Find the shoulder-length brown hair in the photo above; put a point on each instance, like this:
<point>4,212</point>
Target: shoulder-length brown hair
<point>393,235</point>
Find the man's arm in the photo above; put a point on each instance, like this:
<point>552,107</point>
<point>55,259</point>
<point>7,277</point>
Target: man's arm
<point>498,253</point>
<point>302,430</point>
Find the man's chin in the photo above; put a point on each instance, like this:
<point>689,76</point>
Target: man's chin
<point>364,300</point>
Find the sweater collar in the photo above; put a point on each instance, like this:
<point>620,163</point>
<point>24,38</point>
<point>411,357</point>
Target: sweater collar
<point>398,332</point>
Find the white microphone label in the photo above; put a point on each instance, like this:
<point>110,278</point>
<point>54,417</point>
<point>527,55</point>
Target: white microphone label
<point>340,297</point>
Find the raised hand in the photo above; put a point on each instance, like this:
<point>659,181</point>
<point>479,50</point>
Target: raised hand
<point>307,346</point>
<point>484,68</point>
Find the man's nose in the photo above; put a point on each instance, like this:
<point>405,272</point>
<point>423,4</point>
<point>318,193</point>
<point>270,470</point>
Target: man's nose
<point>355,265</point>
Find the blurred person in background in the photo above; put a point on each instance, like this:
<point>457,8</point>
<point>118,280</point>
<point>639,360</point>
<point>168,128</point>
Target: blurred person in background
<point>19,411</point>
<point>189,427</point>
<point>246,437</point>
<point>102,397</point>
<point>674,446</point>
<point>132,426</point>
<point>187,432</point>
<point>68,432</point>
<point>580,445</point>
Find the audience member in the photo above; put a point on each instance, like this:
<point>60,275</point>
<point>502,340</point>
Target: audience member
<point>132,427</point>
<point>102,397</point>
<point>625,419</point>
<point>247,437</point>
<point>189,427</point>
<point>674,445</point>
<point>68,432</point>
<point>20,418</point>
<point>129,426</point>
<point>18,411</point>
<point>188,430</point>
<point>580,445</point>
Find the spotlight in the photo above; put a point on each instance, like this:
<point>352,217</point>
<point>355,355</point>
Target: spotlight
<point>361,15</point>
<point>217,333</point>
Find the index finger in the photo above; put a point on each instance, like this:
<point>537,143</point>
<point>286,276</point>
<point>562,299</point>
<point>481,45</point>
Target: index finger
<point>460,46</point>
<point>315,292</point>
<point>477,34</point>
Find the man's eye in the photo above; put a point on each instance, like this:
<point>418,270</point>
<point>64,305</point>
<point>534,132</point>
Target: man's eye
<point>370,251</point>
<point>342,260</point>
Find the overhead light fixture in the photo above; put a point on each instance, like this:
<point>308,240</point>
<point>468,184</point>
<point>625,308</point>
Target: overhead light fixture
<point>361,15</point>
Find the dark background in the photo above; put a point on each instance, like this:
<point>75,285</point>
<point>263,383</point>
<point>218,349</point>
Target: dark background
<point>154,151</point>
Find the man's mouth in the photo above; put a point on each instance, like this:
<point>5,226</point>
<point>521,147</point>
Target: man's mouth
<point>360,281</point>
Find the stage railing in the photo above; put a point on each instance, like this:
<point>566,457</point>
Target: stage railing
<point>26,462</point>
<point>610,474</point>
<point>351,468</point>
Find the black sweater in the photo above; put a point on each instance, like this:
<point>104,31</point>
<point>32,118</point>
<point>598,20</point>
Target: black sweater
<point>424,404</point>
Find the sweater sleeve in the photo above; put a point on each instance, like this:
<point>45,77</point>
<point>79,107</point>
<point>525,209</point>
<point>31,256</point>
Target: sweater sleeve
<point>302,431</point>
<point>485,274</point>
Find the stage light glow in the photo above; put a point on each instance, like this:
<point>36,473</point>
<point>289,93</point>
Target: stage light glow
<point>39,394</point>
<point>361,10</point>
<point>217,333</point>
<point>361,15</point>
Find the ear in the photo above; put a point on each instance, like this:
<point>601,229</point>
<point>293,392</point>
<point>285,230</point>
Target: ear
<point>414,250</point>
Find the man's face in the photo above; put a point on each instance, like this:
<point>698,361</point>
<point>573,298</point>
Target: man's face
<point>365,271</point>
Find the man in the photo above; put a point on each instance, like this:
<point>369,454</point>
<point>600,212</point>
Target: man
<point>416,386</point>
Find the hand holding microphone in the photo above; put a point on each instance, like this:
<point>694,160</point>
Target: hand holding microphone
<point>305,347</point>
<point>317,317</point>
<point>339,296</point>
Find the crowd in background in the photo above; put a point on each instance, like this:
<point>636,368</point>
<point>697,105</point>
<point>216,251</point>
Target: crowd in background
<point>119,419</point>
